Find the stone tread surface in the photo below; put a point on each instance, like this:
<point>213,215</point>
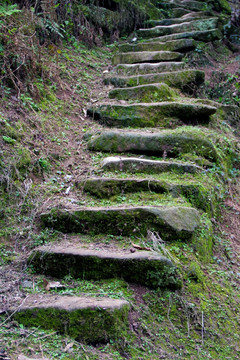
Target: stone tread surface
<point>149,68</point>
<point>172,45</point>
<point>151,115</point>
<point>137,165</point>
<point>145,56</point>
<point>181,79</point>
<point>195,25</point>
<point>83,318</point>
<point>171,142</point>
<point>135,267</point>
<point>174,222</point>
<point>205,36</point>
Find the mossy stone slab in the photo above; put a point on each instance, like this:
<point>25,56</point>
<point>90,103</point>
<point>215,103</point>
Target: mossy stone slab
<point>195,25</point>
<point>171,143</point>
<point>172,45</point>
<point>102,188</point>
<point>139,165</point>
<point>204,36</point>
<point>91,320</point>
<point>186,4</point>
<point>145,268</point>
<point>169,222</point>
<point>163,114</point>
<point>145,56</point>
<point>179,20</point>
<point>182,79</point>
<point>149,68</point>
<point>145,93</point>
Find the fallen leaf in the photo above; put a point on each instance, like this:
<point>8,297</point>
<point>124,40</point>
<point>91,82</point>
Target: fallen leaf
<point>141,247</point>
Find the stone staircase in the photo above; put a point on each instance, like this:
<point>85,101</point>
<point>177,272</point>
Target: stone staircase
<point>162,177</point>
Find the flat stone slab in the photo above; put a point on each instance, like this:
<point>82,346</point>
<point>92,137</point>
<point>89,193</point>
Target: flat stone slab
<point>195,25</point>
<point>138,165</point>
<point>185,18</point>
<point>91,320</point>
<point>169,222</point>
<point>163,114</point>
<point>145,268</point>
<point>186,4</point>
<point>145,93</point>
<point>149,68</point>
<point>171,143</point>
<point>145,56</point>
<point>108,187</point>
<point>182,79</point>
<point>172,45</point>
<point>205,36</point>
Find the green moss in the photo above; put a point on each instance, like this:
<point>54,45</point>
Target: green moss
<point>203,239</point>
<point>87,325</point>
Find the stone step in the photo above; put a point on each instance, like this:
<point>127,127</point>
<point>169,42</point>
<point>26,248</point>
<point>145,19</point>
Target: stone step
<point>135,165</point>
<point>185,80</point>
<point>145,56</point>
<point>86,319</point>
<point>185,4</point>
<point>145,93</point>
<point>164,114</point>
<point>107,187</point>
<point>174,222</point>
<point>172,143</point>
<point>179,20</point>
<point>205,36</point>
<point>173,45</point>
<point>178,12</point>
<point>149,68</point>
<point>145,268</point>
<point>196,25</point>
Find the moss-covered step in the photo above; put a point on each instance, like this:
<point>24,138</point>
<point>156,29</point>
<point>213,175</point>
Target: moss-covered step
<point>163,114</point>
<point>205,36</point>
<point>172,45</point>
<point>185,80</point>
<point>195,25</point>
<point>149,68</point>
<point>135,165</point>
<point>217,5</point>
<point>145,268</point>
<point>174,222</point>
<point>185,4</point>
<point>145,93</point>
<point>145,56</point>
<point>102,188</point>
<point>172,143</point>
<point>179,20</point>
<point>91,320</point>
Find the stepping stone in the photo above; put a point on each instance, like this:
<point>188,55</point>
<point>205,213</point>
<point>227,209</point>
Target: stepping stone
<point>145,268</point>
<point>87,319</point>
<point>138,165</point>
<point>196,25</point>
<point>148,68</point>
<point>173,45</point>
<point>205,36</point>
<point>145,56</point>
<point>185,80</point>
<point>164,114</point>
<point>108,187</point>
<point>170,222</point>
<point>144,93</point>
<point>172,143</point>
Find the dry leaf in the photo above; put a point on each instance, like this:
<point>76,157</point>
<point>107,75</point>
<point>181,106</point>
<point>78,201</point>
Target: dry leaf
<point>141,247</point>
